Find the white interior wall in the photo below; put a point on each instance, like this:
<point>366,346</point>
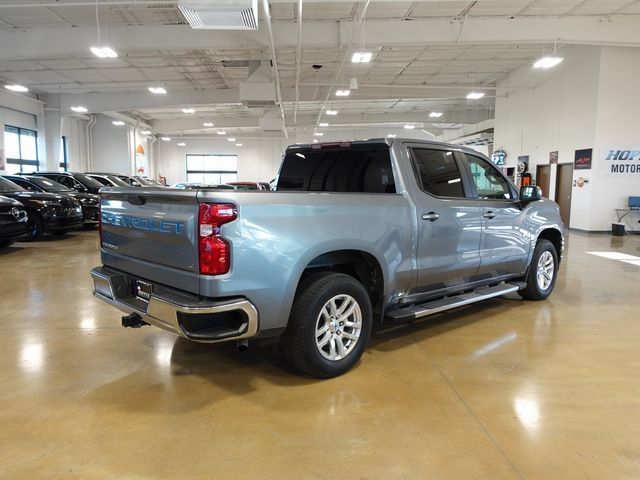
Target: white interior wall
<point>111,146</point>
<point>538,112</point>
<point>75,131</point>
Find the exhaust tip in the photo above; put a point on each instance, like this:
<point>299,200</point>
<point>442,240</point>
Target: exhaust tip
<point>242,345</point>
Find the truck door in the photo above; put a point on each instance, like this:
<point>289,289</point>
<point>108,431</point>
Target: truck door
<point>505,240</point>
<point>449,223</point>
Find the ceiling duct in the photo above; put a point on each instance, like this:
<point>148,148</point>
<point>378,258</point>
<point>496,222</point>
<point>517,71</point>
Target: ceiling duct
<point>258,91</point>
<point>220,14</point>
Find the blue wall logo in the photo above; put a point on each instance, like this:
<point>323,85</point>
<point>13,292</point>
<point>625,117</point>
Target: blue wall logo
<point>139,223</point>
<point>622,161</point>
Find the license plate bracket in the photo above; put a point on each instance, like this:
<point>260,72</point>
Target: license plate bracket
<point>142,290</point>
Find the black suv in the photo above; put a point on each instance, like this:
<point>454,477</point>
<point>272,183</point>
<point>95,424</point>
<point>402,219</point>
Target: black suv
<point>13,221</point>
<point>90,202</point>
<point>46,212</point>
<point>79,182</point>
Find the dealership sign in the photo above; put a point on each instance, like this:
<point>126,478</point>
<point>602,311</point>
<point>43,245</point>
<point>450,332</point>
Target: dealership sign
<point>620,161</point>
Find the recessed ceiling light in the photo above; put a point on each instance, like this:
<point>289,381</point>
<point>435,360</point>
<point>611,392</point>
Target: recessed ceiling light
<point>391,135</point>
<point>315,141</point>
<point>361,57</point>
<point>207,124</point>
<point>548,62</point>
<point>231,139</point>
<point>181,144</point>
<point>158,90</point>
<point>118,123</point>
<point>331,112</point>
<point>435,114</point>
<point>409,127</point>
<point>145,132</point>
<point>104,52</point>
<point>323,124</point>
<point>318,134</point>
<point>221,132</point>
<point>79,109</point>
<point>238,144</point>
<point>165,139</point>
<point>16,88</point>
<point>343,93</point>
<point>189,110</point>
<point>475,95</point>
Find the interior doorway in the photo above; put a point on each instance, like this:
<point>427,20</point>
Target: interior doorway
<point>564,184</point>
<point>543,178</point>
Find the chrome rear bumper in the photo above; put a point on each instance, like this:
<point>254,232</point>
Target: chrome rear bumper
<point>178,312</point>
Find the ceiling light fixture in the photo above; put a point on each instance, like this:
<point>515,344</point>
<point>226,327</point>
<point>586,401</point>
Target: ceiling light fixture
<point>79,109</point>
<point>409,127</point>
<point>435,114</point>
<point>145,132</point>
<point>221,132</point>
<point>323,124</point>
<point>548,62</point>
<point>118,123</point>
<point>207,124</point>
<point>189,110</point>
<point>158,90</point>
<point>343,93</point>
<point>475,95</point>
<point>238,144</point>
<point>16,88</point>
<point>361,57</point>
<point>391,135</point>
<point>165,139</point>
<point>318,134</point>
<point>181,144</point>
<point>315,141</point>
<point>104,52</point>
<point>231,139</point>
<point>331,112</point>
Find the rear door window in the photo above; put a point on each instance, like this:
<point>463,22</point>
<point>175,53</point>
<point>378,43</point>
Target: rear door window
<point>361,169</point>
<point>437,172</point>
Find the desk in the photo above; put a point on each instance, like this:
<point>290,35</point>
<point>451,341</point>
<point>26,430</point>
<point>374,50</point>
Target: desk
<point>628,212</point>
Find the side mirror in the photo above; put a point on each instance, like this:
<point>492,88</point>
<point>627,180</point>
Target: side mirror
<point>530,193</point>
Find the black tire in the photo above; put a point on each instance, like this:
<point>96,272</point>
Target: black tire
<point>299,343</point>
<point>35,227</point>
<point>534,291</point>
<point>7,243</point>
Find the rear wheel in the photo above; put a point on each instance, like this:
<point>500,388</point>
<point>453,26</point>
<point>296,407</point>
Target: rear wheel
<point>329,325</point>
<point>34,231</point>
<point>543,272</point>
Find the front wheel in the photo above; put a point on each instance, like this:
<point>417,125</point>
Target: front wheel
<point>543,271</point>
<point>329,325</point>
<point>34,231</point>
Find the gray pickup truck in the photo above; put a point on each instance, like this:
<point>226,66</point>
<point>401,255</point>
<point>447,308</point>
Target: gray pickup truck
<point>356,234</point>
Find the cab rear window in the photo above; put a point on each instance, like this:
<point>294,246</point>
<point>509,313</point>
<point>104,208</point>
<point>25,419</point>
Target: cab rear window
<point>343,170</point>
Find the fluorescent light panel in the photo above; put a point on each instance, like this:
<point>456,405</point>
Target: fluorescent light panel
<point>207,124</point>
<point>409,127</point>
<point>181,144</point>
<point>118,123</point>
<point>331,112</point>
<point>435,114</point>
<point>165,139</point>
<point>231,139</point>
<point>16,88</point>
<point>188,110</point>
<point>323,124</point>
<point>104,52</point>
<point>158,90</point>
<point>145,132</point>
<point>475,95</point>
<point>343,93</point>
<point>238,144</point>
<point>548,62</point>
<point>361,57</point>
<point>221,132</point>
<point>79,109</point>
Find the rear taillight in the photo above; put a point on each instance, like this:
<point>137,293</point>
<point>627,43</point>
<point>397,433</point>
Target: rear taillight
<point>215,251</point>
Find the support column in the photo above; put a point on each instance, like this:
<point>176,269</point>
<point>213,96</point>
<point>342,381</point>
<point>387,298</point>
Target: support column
<point>53,132</point>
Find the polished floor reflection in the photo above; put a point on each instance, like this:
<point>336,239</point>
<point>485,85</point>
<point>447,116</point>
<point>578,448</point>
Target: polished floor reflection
<point>505,389</point>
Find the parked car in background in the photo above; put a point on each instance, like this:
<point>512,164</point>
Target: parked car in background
<point>108,180</point>
<point>147,182</point>
<point>80,182</point>
<point>46,212</point>
<point>251,185</point>
<point>13,221</point>
<point>200,186</point>
<point>129,180</point>
<point>90,202</point>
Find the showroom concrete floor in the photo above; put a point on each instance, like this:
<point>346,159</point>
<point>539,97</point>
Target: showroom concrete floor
<point>505,389</point>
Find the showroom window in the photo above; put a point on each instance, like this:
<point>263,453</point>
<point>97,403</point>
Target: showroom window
<point>212,169</point>
<point>64,155</point>
<point>21,149</point>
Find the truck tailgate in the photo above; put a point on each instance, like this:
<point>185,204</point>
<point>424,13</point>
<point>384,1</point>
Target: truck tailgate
<point>151,233</point>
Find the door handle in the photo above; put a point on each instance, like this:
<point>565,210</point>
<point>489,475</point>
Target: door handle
<point>431,216</point>
<point>489,214</point>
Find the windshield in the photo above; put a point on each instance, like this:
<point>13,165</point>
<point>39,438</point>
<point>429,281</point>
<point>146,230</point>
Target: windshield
<point>87,181</point>
<point>7,186</point>
<point>144,181</point>
<point>118,182</point>
<point>48,185</point>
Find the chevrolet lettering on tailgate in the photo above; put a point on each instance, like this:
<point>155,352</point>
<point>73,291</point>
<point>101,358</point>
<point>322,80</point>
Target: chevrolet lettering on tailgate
<point>139,223</point>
